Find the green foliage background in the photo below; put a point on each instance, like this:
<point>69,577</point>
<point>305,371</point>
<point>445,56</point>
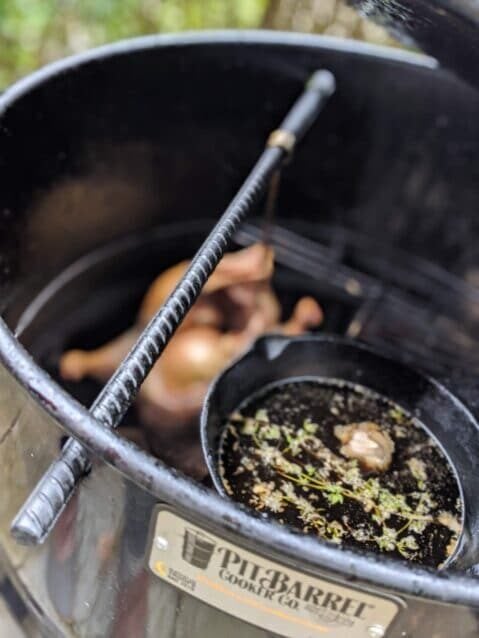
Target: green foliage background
<point>34,32</point>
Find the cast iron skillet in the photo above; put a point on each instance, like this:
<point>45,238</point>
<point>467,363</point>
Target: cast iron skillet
<point>274,358</point>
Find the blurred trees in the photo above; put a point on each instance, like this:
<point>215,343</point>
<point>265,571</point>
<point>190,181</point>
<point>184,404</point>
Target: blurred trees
<point>330,17</point>
<point>34,32</point>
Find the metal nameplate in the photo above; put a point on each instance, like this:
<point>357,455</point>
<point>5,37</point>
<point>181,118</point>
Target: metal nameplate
<point>260,591</point>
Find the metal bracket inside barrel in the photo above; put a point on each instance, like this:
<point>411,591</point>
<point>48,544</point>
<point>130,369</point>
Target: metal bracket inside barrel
<point>48,499</point>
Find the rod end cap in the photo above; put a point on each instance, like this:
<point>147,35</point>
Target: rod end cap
<point>322,81</point>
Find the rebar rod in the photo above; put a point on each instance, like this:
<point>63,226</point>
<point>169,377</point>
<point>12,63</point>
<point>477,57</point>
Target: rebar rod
<point>48,499</point>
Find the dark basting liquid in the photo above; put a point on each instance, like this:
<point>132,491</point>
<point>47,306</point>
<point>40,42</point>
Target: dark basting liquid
<point>279,454</point>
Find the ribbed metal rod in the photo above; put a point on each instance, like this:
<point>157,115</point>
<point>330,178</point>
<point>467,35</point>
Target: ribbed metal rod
<point>47,501</point>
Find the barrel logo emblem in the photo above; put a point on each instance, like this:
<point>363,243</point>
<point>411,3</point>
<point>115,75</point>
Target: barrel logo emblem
<point>262,592</point>
<point>198,548</point>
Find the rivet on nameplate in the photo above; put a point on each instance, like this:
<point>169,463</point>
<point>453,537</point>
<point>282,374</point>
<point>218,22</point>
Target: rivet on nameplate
<point>161,543</point>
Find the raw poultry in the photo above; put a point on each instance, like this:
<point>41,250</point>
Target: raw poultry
<point>237,305</point>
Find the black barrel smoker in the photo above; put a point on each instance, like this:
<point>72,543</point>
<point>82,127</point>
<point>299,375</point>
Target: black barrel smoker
<point>115,164</point>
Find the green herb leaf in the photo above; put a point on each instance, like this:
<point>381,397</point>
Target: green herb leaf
<point>309,426</point>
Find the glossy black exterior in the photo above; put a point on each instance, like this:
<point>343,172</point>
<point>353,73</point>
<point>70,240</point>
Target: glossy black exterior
<point>445,29</point>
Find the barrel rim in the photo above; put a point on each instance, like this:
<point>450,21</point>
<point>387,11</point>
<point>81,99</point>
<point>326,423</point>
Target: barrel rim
<point>210,38</point>
<point>166,483</point>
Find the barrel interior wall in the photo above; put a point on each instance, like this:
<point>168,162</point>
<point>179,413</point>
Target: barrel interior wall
<point>130,142</point>
<point>161,138</point>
